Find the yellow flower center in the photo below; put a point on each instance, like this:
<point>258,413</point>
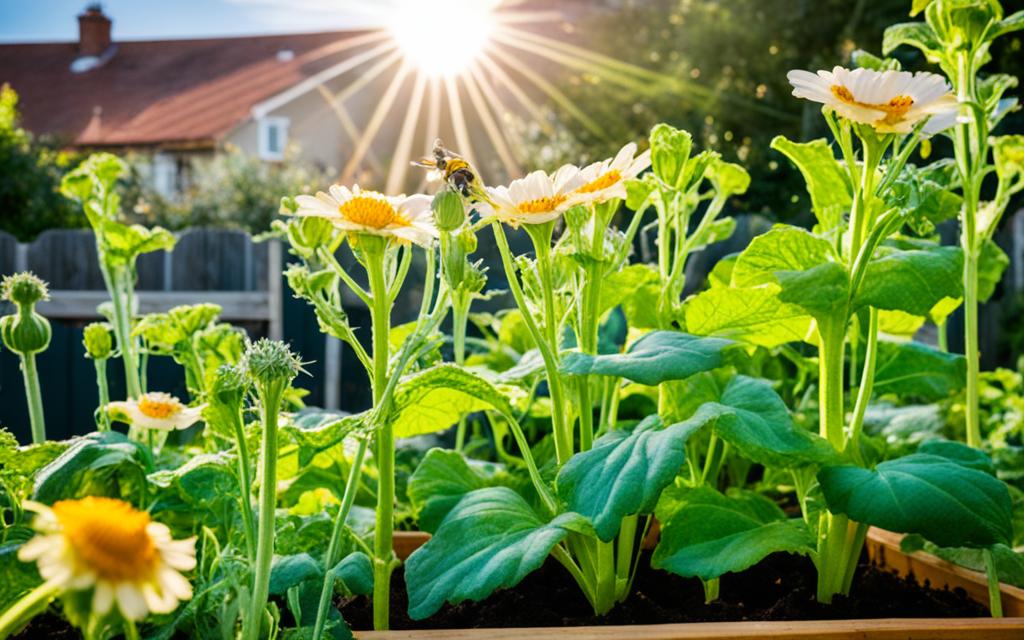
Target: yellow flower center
<point>894,110</point>
<point>108,536</point>
<point>541,205</point>
<point>603,182</point>
<point>373,212</point>
<point>159,407</point>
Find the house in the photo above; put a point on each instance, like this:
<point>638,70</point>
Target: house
<point>334,97</point>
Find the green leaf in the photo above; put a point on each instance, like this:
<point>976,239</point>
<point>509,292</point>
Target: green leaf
<point>317,430</point>
<point>636,290</point>
<point>915,34</point>
<point>440,481</point>
<point>670,152</point>
<point>754,315</point>
<point>827,182</point>
<point>719,230</point>
<point>912,369</point>
<point>639,190</point>
<point>959,453</point>
<point>656,357</point>
<point>434,399</point>
<point>728,178</point>
<point>992,263</point>
<point>102,464</point>
<point>356,571</point>
<point>754,419</point>
<point>821,290</point>
<point>289,571</point>
<point>784,248</point>
<point>949,504</point>
<point>710,534</point>
<point>913,281</point>
<point>490,540</point>
<point>1009,24</point>
<point>625,472</point>
<point>205,488</point>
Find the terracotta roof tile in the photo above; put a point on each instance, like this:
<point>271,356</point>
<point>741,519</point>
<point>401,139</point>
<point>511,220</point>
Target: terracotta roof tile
<point>164,92</point>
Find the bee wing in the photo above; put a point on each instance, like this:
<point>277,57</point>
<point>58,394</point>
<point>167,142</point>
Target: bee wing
<point>427,163</point>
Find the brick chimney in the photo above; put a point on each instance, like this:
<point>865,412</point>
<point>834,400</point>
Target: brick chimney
<point>93,31</point>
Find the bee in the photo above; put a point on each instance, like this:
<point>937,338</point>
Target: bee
<point>456,172</point>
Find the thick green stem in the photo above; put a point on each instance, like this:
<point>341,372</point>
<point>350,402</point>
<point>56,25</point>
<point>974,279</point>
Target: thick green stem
<point>971,350</point>
<point>121,301</point>
<point>30,604</point>
<point>832,337</point>
<point>605,587</point>
<point>270,405</point>
<point>624,555</point>
<point>34,398</point>
<point>104,392</point>
<point>995,600</point>
<point>331,557</point>
<point>384,452</point>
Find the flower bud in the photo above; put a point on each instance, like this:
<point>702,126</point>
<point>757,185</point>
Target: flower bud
<point>97,340</point>
<point>576,218</point>
<point>467,240</point>
<point>670,151</point>
<point>24,332</point>
<point>449,209</point>
<point>271,362</point>
<point>229,387</point>
<point>24,289</point>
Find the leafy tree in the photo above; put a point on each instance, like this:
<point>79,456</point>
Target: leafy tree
<point>30,200</point>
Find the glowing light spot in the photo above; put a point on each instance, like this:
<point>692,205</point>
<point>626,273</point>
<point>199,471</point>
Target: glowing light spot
<point>442,37</point>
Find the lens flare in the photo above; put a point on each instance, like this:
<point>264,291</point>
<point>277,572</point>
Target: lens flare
<point>442,37</point>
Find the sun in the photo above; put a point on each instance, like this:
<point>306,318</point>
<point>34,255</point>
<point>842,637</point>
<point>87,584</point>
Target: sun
<point>442,37</point>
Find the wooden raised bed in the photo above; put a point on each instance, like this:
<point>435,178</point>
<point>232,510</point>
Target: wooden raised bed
<point>883,547</point>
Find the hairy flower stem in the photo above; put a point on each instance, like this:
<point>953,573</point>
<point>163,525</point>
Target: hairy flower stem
<point>104,392</point>
<point>270,406</point>
<point>28,606</point>
<point>563,439</point>
<point>122,301</point>
<point>245,484</point>
<point>34,397</point>
<point>331,557</point>
<point>384,452</point>
<point>460,317</point>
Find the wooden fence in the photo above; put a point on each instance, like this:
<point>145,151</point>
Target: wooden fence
<point>244,277</point>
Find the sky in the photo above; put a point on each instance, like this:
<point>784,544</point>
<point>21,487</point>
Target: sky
<point>55,20</point>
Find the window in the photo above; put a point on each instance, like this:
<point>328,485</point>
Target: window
<point>273,137</point>
<point>165,175</point>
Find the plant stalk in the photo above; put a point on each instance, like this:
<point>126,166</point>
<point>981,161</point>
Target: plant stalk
<point>104,392</point>
<point>34,397</point>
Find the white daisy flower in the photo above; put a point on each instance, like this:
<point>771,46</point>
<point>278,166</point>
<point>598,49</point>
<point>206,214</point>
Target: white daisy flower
<point>890,101</point>
<point>535,199</point>
<point>107,545</point>
<point>156,410</point>
<point>405,218</point>
<point>605,180</point>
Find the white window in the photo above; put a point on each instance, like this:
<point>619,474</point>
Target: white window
<point>273,137</point>
<point>165,175</point>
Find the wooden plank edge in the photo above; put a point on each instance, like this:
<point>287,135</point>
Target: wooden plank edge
<point>880,629</point>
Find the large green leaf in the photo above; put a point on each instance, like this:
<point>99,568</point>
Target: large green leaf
<point>913,369</point>
<point>440,481</point>
<point>784,248</point>
<point>434,399</point>
<point>915,34</point>
<point>710,534</point>
<point>822,290</point>
<point>755,420</point>
<point>104,464</point>
<point>913,281</point>
<point>754,315</point>
<point>827,183</point>
<point>491,539</point>
<point>636,289</point>
<point>655,358</point>
<point>204,488</point>
<point>289,571</point>
<point>318,430</point>
<point>625,472</point>
<point>946,502</point>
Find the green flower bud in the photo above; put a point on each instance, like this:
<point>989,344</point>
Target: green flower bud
<point>316,231</point>
<point>670,150</point>
<point>230,385</point>
<point>24,332</point>
<point>98,341</point>
<point>576,218</point>
<point>271,362</point>
<point>449,209</point>
<point>24,289</point>
<point>467,241</point>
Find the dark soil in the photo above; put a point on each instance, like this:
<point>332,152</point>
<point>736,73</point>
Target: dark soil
<point>49,626</point>
<point>782,587</point>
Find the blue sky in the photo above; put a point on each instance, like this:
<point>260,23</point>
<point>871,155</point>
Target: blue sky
<point>54,20</point>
